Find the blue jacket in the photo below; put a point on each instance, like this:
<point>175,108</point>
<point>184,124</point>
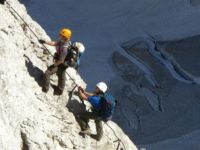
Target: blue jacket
<point>95,102</point>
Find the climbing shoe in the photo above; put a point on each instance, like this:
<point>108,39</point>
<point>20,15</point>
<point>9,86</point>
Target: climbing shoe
<point>95,136</point>
<point>85,132</point>
<point>45,90</point>
<point>57,90</point>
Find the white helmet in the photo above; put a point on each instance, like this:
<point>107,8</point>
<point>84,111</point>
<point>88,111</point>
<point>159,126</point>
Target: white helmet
<point>102,86</point>
<point>80,46</point>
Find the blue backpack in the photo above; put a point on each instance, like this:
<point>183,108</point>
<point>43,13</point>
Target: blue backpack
<point>108,104</point>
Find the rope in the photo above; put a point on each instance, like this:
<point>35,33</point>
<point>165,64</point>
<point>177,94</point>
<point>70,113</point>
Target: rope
<point>72,79</point>
<point>118,139</point>
<point>28,26</point>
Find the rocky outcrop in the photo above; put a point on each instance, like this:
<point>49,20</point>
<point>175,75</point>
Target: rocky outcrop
<point>30,119</point>
<point>164,103</point>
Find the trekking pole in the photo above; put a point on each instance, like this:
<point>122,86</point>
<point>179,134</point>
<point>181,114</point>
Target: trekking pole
<point>28,26</point>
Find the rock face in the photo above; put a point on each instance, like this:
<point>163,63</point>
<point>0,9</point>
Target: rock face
<point>30,119</point>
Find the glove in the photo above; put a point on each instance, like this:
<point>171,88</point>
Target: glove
<point>80,89</point>
<point>42,41</point>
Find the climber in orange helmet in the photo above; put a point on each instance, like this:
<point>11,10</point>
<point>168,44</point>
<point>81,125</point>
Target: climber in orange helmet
<point>59,65</point>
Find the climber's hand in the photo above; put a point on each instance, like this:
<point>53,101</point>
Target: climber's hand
<point>42,41</point>
<point>80,89</point>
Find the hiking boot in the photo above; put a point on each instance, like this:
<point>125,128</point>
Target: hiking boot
<point>86,131</point>
<point>57,90</point>
<point>44,89</point>
<point>95,136</point>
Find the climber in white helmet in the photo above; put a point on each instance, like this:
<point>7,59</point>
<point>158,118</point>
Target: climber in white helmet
<point>102,109</point>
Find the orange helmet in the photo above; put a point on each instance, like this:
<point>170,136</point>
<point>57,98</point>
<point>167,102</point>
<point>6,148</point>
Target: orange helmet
<point>65,33</point>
